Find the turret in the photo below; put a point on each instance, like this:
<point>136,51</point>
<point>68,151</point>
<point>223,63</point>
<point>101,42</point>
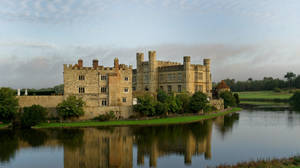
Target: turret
<point>153,75</point>
<point>95,63</point>
<point>206,63</point>
<point>187,65</point>
<point>152,56</point>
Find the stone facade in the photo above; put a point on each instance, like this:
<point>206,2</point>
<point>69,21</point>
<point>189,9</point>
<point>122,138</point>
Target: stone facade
<point>149,76</point>
<point>102,88</point>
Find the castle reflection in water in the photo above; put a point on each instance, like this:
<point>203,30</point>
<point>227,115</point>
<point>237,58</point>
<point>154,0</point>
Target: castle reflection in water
<point>113,146</point>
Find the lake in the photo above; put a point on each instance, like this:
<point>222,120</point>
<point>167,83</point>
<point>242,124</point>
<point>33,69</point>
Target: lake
<point>244,136</point>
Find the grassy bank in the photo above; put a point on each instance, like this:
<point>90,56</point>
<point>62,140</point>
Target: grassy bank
<point>3,125</point>
<point>265,95</point>
<point>161,121</point>
<point>293,162</point>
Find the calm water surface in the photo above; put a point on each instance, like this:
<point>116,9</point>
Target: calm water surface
<point>243,136</point>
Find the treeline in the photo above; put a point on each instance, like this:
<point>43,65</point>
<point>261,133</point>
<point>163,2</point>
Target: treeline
<point>56,90</point>
<point>267,83</point>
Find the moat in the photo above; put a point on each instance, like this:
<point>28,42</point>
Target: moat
<point>244,136</point>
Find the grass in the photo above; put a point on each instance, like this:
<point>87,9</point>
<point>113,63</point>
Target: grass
<point>264,95</point>
<point>264,103</point>
<point>3,125</point>
<point>293,162</point>
<point>161,121</point>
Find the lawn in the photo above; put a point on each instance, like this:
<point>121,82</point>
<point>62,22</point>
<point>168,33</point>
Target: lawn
<point>3,125</point>
<point>264,103</point>
<point>171,120</point>
<point>264,95</point>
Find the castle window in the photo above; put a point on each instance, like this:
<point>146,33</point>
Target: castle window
<point>103,89</point>
<point>179,88</point>
<point>134,88</point>
<point>200,87</point>
<point>169,88</point>
<point>146,88</point>
<point>179,76</point>
<point>81,77</point>
<point>104,102</point>
<point>124,99</point>
<point>103,77</point>
<point>126,89</point>
<point>126,78</point>
<point>134,79</point>
<point>81,90</point>
<point>162,87</point>
<point>169,77</point>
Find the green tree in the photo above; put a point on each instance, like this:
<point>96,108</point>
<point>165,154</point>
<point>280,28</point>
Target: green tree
<point>290,76</point>
<point>71,107</point>
<point>237,98</point>
<point>59,89</point>
<point>229,99</point>
<point>145,105</point>
<point>8,104</point>
<point>161,108</point>
<point>33,115</point>
<point>198,102</point>
<point>295,101</point>
<point>183,101</point>
<point>162,96</point>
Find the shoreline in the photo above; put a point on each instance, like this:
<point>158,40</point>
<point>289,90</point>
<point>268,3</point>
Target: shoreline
<point>160,121</point>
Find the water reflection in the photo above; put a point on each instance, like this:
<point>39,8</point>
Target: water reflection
<point>113,147</point>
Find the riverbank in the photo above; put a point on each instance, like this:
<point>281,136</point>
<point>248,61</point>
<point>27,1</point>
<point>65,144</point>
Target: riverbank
<point>160,121</point>
<point>293,162</point>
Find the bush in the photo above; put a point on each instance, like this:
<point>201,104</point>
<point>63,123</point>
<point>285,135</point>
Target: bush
<point>277,90</point>
<point>162,96</point>
<point>209,109</point>
<point>161,108</point>
<point>198,102</point>
<point>70,108</point>
<point>8,105</point>
<point>237,98</point>
<point>145,105</point>
<point>33,115</point>
<point>229,99</point>
<point>106,117</point>
<point>295,101</point>
<point>183,101</point>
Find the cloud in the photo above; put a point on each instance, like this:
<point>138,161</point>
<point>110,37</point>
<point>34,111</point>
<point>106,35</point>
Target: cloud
<point>43,68</point>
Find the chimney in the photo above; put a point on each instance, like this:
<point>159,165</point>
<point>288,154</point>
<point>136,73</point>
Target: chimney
<point>116,63</point>
<point>80,63</point>
<point>95,63</point>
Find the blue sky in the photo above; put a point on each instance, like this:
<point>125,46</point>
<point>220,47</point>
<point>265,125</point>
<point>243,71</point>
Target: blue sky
<point>244,38</point>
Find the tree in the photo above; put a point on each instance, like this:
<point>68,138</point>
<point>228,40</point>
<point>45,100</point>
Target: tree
<point>145,105</point>
<point>8,104</point>
<point>59,89</point>
<point>237,98</point>
<point>295,101</point>
<point>290,76</point>
<point>162,96</point>
<point>70,108</point>
<point>33,115</point>
<point>229,99</point>
<point>183,101</point>
<point>198,102</point>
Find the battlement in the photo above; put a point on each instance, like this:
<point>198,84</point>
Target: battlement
<point>171,68</point>
<point>167,63</point>
<point>95,66</point>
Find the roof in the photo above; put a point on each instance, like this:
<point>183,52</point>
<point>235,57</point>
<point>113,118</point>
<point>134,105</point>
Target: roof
<point>222,85</point>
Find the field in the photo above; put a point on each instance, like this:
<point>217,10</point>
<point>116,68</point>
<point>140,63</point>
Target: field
<point>264,95</point>
<point>161,121</point>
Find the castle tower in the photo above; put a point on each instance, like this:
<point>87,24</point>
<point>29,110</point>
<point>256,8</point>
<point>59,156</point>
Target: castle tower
<point>153,76</point>
<point>206,63</point>
<point>116,63</point>
<point>80,63</point>
<point>187,67</point>
<point>95,63</point>
<point>139,68</point>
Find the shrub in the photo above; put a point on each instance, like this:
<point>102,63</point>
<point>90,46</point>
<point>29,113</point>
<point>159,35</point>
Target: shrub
<point>277,90</point>
<point>8,105</point>
<point>161,108</point>
<point>209,109</point>
<point>70,108</point>
<point>183,101</point>
<point>162,96</point>
<point>198,102</point>
<point>295,101</point>
<point>145,105</point>
<point>33,115</point>
<point>237,98</point>
<point>229,99</point>
<point>106,117</point>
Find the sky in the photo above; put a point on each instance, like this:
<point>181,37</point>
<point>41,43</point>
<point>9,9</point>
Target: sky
<point>243,38</point>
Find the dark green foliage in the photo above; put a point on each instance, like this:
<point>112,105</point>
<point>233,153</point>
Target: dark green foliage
<point>278,90</point>
<point>9,144</point>
<point>295,101</point>
<point>146,105</point>
<point>33,115</point>
<point>33,137</point>
<point>161,108</point>
<point>162,96</point>
<point>229,99</point>
<point>106,117</point>
<point>172,105</point>
<point>8,105</point>
<point>72,107</point>
<point>198,102</point>
<point>59,89</point>
<point>183,101</point>
<point>237,98</point>
<point>209,109</point>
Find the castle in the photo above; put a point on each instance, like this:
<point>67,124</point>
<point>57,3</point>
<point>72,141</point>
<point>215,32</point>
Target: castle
<point>106,89</point>
<point>151,75</point>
